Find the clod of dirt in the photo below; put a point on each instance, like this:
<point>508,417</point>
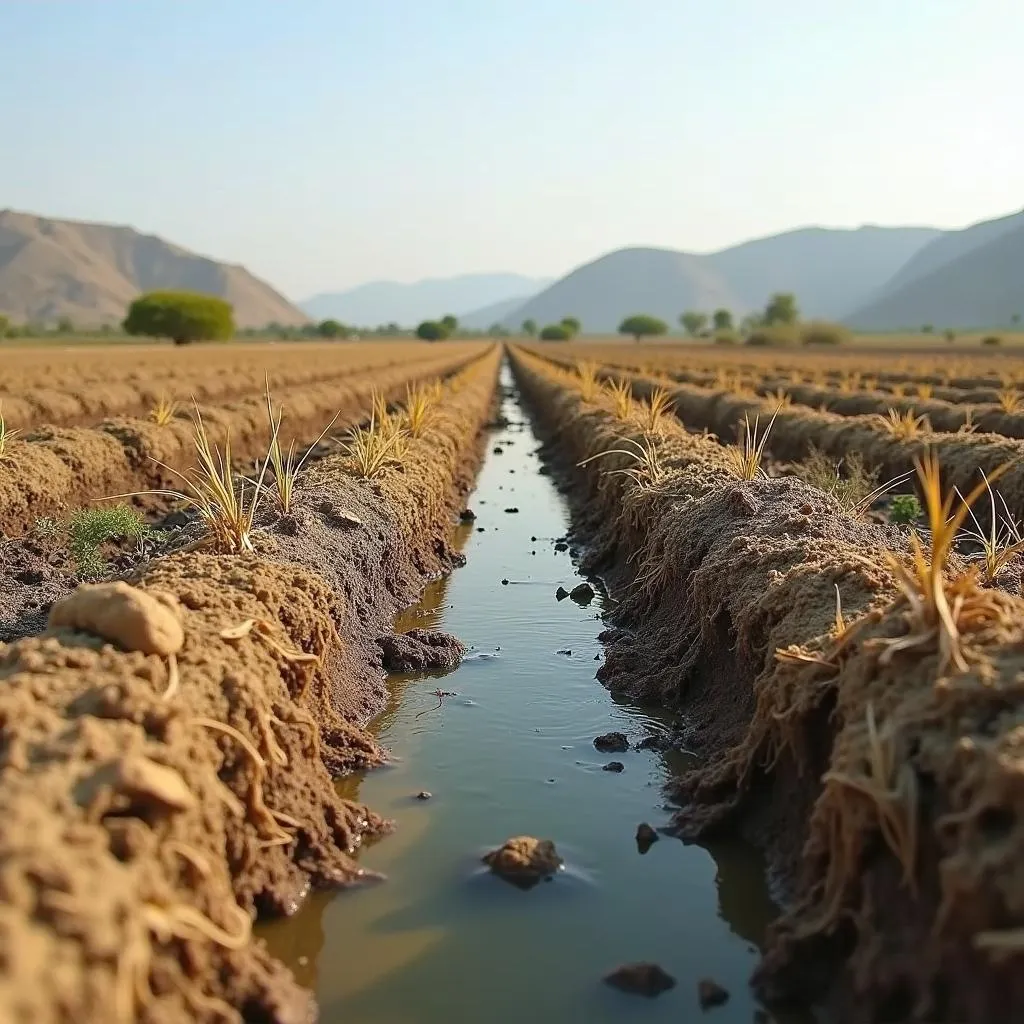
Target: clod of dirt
<point>641,979</point>
<point>524,861</point>
<point>498,450</point>
<point>611,742</point>
<point>646,837</point>
<point>560,545</point>
<point>544,471</point>
<point>424,794</point>
<point>143,780</point>
<point>421,650</point>
<point>467,515</point>
<point>654,743</point>
<point>504,583</point>
<point>583,594</point>
<point>512,511</point>
<point>561,594</point>
<point>133,619</point>
<point>710,993</point>
<point>339,515</point>
<point>614,766</point>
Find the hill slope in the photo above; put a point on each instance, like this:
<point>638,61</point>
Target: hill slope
<point>91,272</point>
<point>982,288</point>
<point>829,270</point>
<point>381,302</point>
<point>495,313</point>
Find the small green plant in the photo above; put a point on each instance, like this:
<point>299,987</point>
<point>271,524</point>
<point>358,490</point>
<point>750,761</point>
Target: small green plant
<point>286,466</point>
<point>46,528</point>
<point>88,529</point>
<point>905,509</point>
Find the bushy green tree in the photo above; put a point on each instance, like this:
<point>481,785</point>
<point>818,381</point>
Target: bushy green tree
<point>65,325</point>
<point>781,309</point>
<point>572,325</point>
<point>927,328</point>
<point>183,317</point>
<point>530,328</point>
<point>641,325</point>
<point>4,325</point>
<point>721,320</point>
<point>555,332</point>
<point>432,330</point>
<point>332,329</point>
<point>1015,319</point>
<point>450,323</point>
<point>693,322</point>
<point>496,330</point>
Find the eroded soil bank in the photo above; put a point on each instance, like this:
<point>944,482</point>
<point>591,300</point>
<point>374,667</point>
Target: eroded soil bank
<point>880,779</point>
<point>153,805</point>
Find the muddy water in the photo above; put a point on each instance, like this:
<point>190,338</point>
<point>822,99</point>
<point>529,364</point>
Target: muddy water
<point>513,753</point>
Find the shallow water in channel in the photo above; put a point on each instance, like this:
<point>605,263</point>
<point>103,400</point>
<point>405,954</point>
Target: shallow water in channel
<point>512,753</point>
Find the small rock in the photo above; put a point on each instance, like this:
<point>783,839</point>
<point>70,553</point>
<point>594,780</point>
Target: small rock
<point>561,594</point>
<point>710,993</point>
<point>611,742</point>
<point>512,511</point>
<point>653,743</point>
<point>524,861</point>
<point>480,529</point>
<point>544,471</point>
<point>498,450</point>
<point>806,509</point>
<point>467,515</point>
<point>646,837</point>
<point>614,766</point>
<point>583,594</point>
<point>565,651</point>
<point>561,546</point>
<point>641,979</point>
<point>504,583</point>
<point>424,794</point>
<point>534,539</point>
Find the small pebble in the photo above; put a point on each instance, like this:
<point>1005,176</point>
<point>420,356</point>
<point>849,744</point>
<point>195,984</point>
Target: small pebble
<point>423,795</point>
<point>614,766</point>
<point>710,993</point>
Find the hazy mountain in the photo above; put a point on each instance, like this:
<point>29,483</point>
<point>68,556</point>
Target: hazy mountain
<point>91,272</point>
<point>829,270</point>
<point>949,246</point>
<point>495,313</point>
<point>983,287</point>
<point>660,282</point>
<point>382,302</point>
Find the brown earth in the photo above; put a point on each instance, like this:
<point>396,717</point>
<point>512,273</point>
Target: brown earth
<point>151,812</point>
<point>52,469</point>
<point>882,782</point>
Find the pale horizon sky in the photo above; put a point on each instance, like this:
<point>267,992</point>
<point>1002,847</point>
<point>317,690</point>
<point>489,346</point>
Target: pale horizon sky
<point>326,144</point>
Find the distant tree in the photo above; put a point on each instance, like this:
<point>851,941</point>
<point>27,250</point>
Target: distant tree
<point>432,330</point>
<point>65,325</point>
<point>992,339</point>
<point>641,325</point>
<point>5,324</point>
<point>781,309</point>
<point>950,335</point>
<point>530,328</point>
<point>450,323</point>
<point>331,329</point>
<point>496,330</point>
<point>721,320</point>
<point>1015,319</point>
<point>750,323</point>
<point>183,317</point>
<point>692,321</point>
<point>927,328</point>
<point>555,332</point>
<point>572,325</point>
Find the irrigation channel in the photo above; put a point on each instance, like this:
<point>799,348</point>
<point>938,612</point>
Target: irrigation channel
<point>512,753</point>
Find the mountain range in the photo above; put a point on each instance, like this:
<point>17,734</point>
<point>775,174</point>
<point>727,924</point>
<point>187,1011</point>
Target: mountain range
<point>872,278</point>
<point>90,273</point>
<point>381,302</point>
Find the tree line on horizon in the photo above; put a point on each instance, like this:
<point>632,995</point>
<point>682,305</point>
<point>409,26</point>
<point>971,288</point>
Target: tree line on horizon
<point>186,317</point>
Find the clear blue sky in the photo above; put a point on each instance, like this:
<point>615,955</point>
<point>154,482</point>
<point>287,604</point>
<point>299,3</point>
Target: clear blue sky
<point>328,142</point>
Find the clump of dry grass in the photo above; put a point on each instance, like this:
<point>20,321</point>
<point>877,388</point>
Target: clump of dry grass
<point>939,609</point>
<point>6,436</point>
<point>648,470</point>
<point>903,426</point>
<point>1009,400</point>
<point>746,455</point>
<point>651,414</point>
<point>925,391</point>
<point>225,501</point>
<point>1001,541</point>
<point>420,403</point>
<point>382,443</point>
<point>621,394</point>
<point>285,465</point>
<point>588,383</point>
<point>849,481</point>
<point>163,411</point>
<point>781,398</point>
